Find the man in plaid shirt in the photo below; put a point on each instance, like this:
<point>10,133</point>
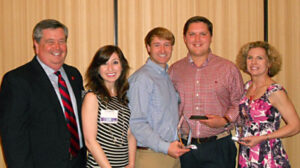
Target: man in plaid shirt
<point>209,86</point>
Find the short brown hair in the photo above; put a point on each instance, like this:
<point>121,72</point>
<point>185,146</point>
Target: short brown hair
<point>196,19</point>
<point>273,55</point>
<point>159,32</point>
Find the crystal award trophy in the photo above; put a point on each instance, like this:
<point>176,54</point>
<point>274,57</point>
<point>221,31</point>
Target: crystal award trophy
<point>240,126</point>
<point>180,132</point>
<point>238,132</point>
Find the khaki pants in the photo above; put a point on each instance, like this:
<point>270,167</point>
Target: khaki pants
<point>150,159</point>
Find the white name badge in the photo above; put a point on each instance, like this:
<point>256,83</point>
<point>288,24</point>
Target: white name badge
<point>109,116</point>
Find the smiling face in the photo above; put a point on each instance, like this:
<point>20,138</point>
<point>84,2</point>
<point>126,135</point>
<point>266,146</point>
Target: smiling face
<point>198,39</point>
<point>111,70</point>
<point>160,51</point>
<point>52,48</point>
<point>257,62</point>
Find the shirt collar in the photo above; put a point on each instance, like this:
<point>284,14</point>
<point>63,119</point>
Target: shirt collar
<point>47,69</point>
<point>210,56</point>
<point>156,67</point>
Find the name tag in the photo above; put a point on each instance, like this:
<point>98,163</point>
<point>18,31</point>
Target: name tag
<point>109,116</point>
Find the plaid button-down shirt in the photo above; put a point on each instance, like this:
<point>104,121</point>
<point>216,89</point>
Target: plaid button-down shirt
<point>213,88</point>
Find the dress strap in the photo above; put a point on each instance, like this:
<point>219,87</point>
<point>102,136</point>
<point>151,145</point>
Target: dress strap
<point>85,92</point>
<point>247,84</point>
<point>246,87</point>
<point>274,88</point>
<point>101,102</point>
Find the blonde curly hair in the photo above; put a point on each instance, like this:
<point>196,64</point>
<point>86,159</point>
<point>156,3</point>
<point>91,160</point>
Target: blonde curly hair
<point>274,58</point>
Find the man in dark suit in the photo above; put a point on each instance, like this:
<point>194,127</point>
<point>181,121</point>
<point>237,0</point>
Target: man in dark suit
<point>33,121</point>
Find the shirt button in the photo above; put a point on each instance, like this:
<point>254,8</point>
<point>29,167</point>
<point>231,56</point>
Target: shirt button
<point>197,108</point>
<point>197,82</point>
<point>197,94</point>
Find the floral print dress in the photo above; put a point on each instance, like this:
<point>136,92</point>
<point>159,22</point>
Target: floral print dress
<point>261,119</point>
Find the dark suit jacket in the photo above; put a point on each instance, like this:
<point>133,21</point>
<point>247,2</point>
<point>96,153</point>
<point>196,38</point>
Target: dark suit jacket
<point>32,124</point>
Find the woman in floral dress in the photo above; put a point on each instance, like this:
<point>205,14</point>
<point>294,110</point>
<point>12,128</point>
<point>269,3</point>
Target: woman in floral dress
<point>262,106</point>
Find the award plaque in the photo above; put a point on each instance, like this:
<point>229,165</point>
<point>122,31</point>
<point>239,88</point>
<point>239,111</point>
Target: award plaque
<point>180,132</point>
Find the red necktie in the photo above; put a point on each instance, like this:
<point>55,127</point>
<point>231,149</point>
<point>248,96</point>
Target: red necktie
<point>69,114</point>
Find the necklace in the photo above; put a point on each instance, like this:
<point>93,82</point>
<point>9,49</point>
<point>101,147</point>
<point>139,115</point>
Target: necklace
<point>119,139</point>
<point>251,98</point>
<point>256,91</point>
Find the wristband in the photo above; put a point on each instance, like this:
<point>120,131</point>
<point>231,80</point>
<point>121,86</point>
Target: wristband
<point>227,122</point>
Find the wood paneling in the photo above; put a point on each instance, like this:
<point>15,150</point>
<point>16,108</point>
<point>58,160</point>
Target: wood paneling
<point>284,34</point>
<point>235,23</point>
<point>90,24</point>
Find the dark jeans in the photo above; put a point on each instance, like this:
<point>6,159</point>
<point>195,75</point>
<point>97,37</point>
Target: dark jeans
<point>220,153</point>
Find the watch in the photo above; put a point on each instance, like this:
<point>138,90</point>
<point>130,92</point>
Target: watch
<point>227,122</point>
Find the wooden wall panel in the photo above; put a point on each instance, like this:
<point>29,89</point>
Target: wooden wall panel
<point>284,34</point>
<point>90,24</point>
<point>235,23</point>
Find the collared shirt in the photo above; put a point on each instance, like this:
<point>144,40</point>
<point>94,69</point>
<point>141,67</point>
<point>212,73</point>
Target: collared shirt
<point>153,102</point>
<point>213,88</point>
<point>54,81</point>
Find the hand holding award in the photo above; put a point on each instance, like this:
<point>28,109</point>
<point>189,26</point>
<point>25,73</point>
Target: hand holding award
<point>180,132</point>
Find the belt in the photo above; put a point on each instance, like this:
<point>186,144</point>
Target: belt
<point>142,148</point>
<point>208,139</point>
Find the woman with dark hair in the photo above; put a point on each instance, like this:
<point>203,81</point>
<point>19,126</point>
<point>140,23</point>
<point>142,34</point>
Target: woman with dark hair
<point>105,112</point>
<point>262,106</point>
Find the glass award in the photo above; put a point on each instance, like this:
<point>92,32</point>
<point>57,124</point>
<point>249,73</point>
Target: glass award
<point>238,132</point>
<point>239,126</point>
<point>182,120</point>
